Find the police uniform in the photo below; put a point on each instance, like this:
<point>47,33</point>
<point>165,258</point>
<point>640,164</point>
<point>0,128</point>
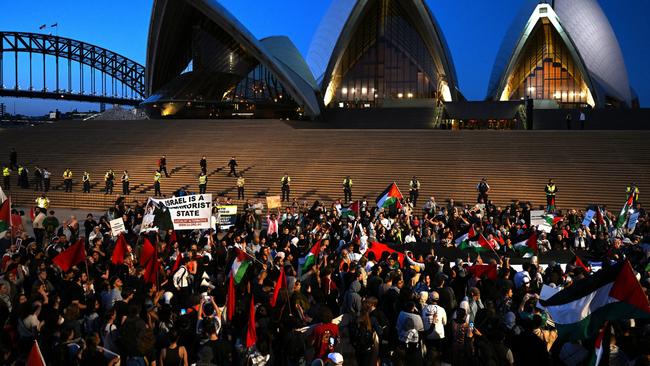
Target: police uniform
<point>414,191</point>
<point>203,183</point>
<point>86,182</point>
<point>108,182</point>
<point>241,182</point>
<point>21,173</point>
<point>550,190</point>
<point>43,202</point>
<point>67,180</point>
<point>125,183</point>
<point>347,189</point>
<point>6,175</point>
<point>156,183</point>
<point>286,187</point>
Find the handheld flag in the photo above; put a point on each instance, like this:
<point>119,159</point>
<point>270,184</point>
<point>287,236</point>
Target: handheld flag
<point>70,257</point>
<point>622,216</point>
<point>119,251</point>
<point>489,270</point>
<point>613,293</point>
<point>230,304</point>
<point>528,245</point>
<point>312,256</point>
<point>350,211</point>
<point>278,286</point>
<point>389,197</point>
<point>379,249</point>
<point>149,261</point>
<point>239,265</point>
<point>5,215</point>
<point>35,357</point>
<point>251,333</point>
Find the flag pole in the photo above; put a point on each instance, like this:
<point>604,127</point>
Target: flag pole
<point>11,228</point>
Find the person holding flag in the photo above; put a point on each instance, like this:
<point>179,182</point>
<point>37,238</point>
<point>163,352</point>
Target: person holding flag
<point>551,191</point>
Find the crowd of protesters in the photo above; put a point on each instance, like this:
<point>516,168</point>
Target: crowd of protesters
<point>348,305</point>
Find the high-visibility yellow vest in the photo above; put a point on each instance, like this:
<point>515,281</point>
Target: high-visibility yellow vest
<point>108,175</point>
<point>550,189</point>
<point>203,179</point>
<point>42,202</point>
<point>6,172</point>
<point>67,174</point>
<point>20,170</point>
<point>347,182</point>
<point>156,177</point>
<point>415,184</point>
<point>86,177</point>
<point>241,181</point>
<point>125,178</point>
<point>286,180</point>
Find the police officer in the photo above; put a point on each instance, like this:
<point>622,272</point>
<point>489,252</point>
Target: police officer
<point>125,183</point>
<point>550,190</point>
<point>414,190</point>
<point>633,190</point>
<point>6,176</point>
<point>203,163</point>
<point>156,183</point>
<point>162,165</point>
<point>203,182</point>
<point>21,176</point>
<point>109,177</point>
<point>483,188</point>
<point>347,189</point>
<point>46,179</point>
<point>232,164</point>
<point>241,182</point>
<point>67,180</point>
<point>286,186</point>
<point>85,179</point>
<point>43,202</point>
<point>38,179</point>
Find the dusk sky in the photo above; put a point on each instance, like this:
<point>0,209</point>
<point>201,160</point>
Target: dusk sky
<point>474,30</point>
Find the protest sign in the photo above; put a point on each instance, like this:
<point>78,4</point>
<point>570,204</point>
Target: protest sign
<point>227,216</point>
<point>273,202</point>
<point>588,217</point>
<point>188,212</point>
<point>117,226</point>
<point>537,218</point>
<point>634,218</point>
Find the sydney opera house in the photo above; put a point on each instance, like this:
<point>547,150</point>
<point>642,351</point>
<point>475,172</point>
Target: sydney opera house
<point>369,55</point>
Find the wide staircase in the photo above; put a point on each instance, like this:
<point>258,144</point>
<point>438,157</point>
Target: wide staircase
<point>588,166</point>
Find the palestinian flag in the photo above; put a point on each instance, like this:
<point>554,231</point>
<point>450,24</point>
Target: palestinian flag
<point>578,263</point>
<point>484,244</point>
<point>35,357</point>
<point>528,245</point>
<point>462,242</point>
<point>622,216</point>
<point>311,257</point>
<point>613,293</point>
<point>389,197</point>
<point>239,265</point>
<point>5,215</point>
<point>379,249</point>
<point>350,211</point>
<point>598,347</point>
<point>488,270</point>
<point>552,219</point>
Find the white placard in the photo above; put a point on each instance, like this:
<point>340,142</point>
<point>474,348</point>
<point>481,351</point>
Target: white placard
<point>117,226</point>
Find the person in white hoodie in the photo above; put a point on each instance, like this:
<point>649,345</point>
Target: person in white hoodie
<point>434,319</point>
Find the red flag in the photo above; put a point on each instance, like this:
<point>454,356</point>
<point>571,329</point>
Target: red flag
<point>35,357</point>
<point>251,334</point>
<point>177,263</point>
<point>532,242</point>
<point>230,304</point>
<point>119,251</point>
<point>485,243</point>
<point>73,255</point>
<point>490,270</point>
<point>172,238</point>
<point>149,261</point>
<point>5,215</point>
<point>579,263</point>
<point>379,249</point>
<point>278,286</point>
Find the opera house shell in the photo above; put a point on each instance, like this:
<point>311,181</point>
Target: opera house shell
<point>203,63</point>
<point>381,53</point>
<point>564,54</point>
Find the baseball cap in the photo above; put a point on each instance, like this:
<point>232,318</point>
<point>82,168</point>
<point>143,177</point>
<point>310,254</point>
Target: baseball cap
<point>336,358</point>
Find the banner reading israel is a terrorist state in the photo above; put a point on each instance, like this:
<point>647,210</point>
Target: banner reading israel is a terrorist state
<point>188,212</point>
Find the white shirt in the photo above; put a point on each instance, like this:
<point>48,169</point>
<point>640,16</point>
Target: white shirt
<point>182,278</point>
<point>434,315</point>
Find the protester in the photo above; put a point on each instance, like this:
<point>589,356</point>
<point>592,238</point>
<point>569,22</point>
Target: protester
<point>310,283</point>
